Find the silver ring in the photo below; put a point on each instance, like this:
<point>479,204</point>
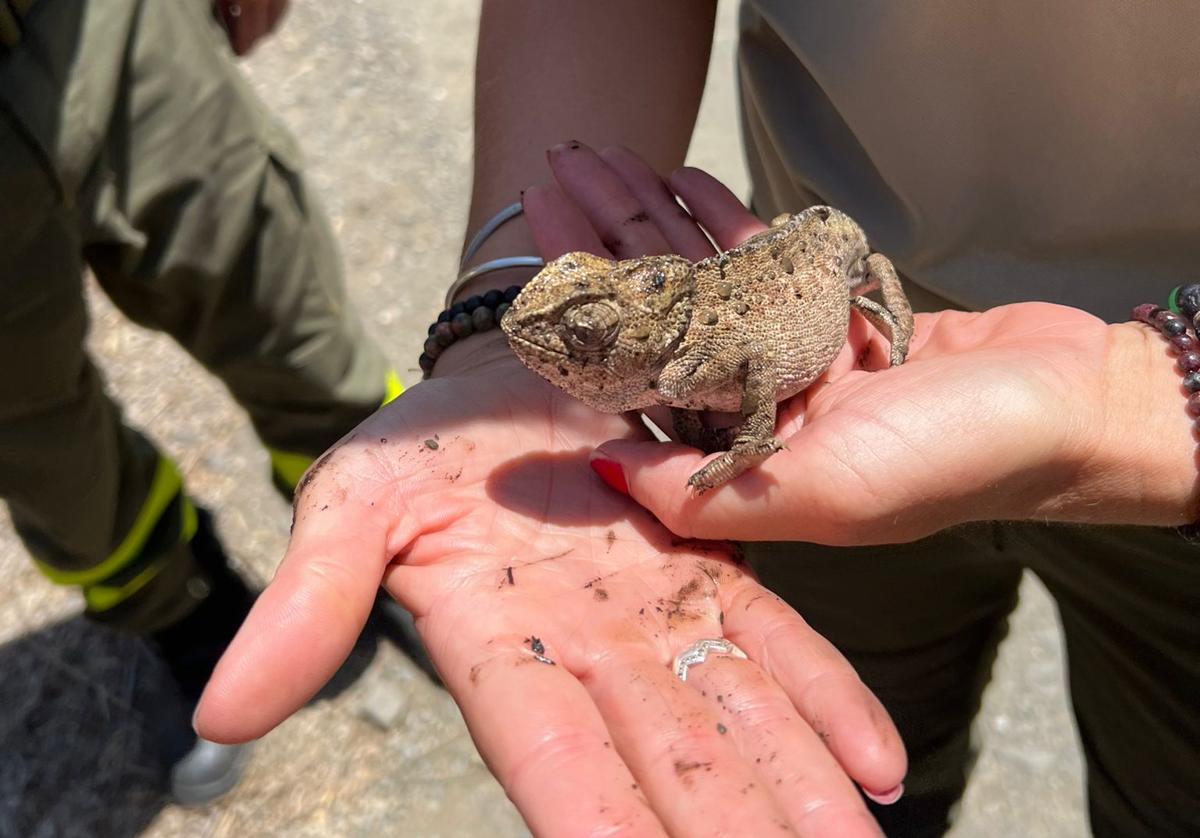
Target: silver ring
<point>234,10</point>
<point>699,651</point>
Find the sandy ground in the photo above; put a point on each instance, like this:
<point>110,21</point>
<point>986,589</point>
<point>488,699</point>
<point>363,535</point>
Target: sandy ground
<point>379,95</point>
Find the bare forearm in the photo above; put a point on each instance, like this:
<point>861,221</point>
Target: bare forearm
<point>620,72</point>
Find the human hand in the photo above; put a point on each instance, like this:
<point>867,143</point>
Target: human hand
<point>552,609</point>
<point>1025,411</point>
<point>246,21</point>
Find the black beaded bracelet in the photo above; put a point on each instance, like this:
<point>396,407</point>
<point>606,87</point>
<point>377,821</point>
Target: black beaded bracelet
<point>1172,323</point>
<point>463,319</point>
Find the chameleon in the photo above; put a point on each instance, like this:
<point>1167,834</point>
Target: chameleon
<point>736,332</point>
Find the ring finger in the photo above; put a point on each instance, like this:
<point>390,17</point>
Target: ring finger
<point>667,734</point>
<point>677,225</point>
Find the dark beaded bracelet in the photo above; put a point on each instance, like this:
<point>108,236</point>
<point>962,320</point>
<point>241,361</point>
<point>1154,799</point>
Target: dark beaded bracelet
<point>1185,300</point>
<point>1173,325</point>
<point>463,319</point>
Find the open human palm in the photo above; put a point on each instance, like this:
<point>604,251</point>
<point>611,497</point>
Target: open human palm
<point>552,609</point>
<point>970,428</point>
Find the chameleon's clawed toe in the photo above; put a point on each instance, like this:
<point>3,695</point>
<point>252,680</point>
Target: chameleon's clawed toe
<point>739,459</point>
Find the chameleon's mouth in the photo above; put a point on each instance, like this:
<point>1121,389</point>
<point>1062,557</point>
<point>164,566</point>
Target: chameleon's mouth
<point>537,347</point>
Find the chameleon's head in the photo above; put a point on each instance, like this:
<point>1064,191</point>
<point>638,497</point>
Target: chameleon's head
<point>601,330</point>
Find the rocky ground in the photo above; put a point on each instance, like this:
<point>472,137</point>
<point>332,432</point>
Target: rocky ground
<point>379,95</point>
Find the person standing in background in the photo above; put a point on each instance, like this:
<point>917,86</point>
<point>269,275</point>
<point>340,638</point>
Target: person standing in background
<point>131,145</point>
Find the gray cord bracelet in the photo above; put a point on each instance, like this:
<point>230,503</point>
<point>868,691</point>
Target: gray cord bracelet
<point>490,226</point>
<point>487,268</point>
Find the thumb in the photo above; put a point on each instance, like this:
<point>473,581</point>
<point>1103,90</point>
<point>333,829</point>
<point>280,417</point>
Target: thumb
<point>655,474</point>
<point>302,627</point>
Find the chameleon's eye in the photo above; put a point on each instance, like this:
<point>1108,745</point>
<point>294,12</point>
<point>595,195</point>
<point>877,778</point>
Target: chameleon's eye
<point>592,325</point>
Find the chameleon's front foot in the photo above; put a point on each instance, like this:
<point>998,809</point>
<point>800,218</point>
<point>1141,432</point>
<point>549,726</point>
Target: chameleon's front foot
<point>733,462</point>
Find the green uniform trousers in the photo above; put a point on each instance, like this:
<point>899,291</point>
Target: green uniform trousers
<point>131,144</point>
<point>921,623</point>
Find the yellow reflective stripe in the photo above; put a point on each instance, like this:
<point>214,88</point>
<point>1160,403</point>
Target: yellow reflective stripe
<point>190,520</point>
<point>289,467</point>
<point>394,387</point>
<point>163,489</point>
<point>104,597</point>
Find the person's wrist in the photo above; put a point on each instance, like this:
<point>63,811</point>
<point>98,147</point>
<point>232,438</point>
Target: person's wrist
<point>492,244</point>
<point>1137,463</point>
<point>511,239</point>
<point>483,352</point>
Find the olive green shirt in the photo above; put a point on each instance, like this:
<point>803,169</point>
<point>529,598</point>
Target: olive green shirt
<point>997,151</point>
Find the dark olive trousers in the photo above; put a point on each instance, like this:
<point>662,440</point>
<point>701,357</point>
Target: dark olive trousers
<point>921,623</point>
<point>130,144</point>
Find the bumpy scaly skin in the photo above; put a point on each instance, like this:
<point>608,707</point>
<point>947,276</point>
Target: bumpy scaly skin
<point>737,332</point>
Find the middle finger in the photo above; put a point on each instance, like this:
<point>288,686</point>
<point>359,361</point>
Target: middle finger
<point>543,738</point>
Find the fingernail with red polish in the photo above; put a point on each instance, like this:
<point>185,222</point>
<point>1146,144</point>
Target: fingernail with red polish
<point>611,473</point>
<point>888,797</point>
